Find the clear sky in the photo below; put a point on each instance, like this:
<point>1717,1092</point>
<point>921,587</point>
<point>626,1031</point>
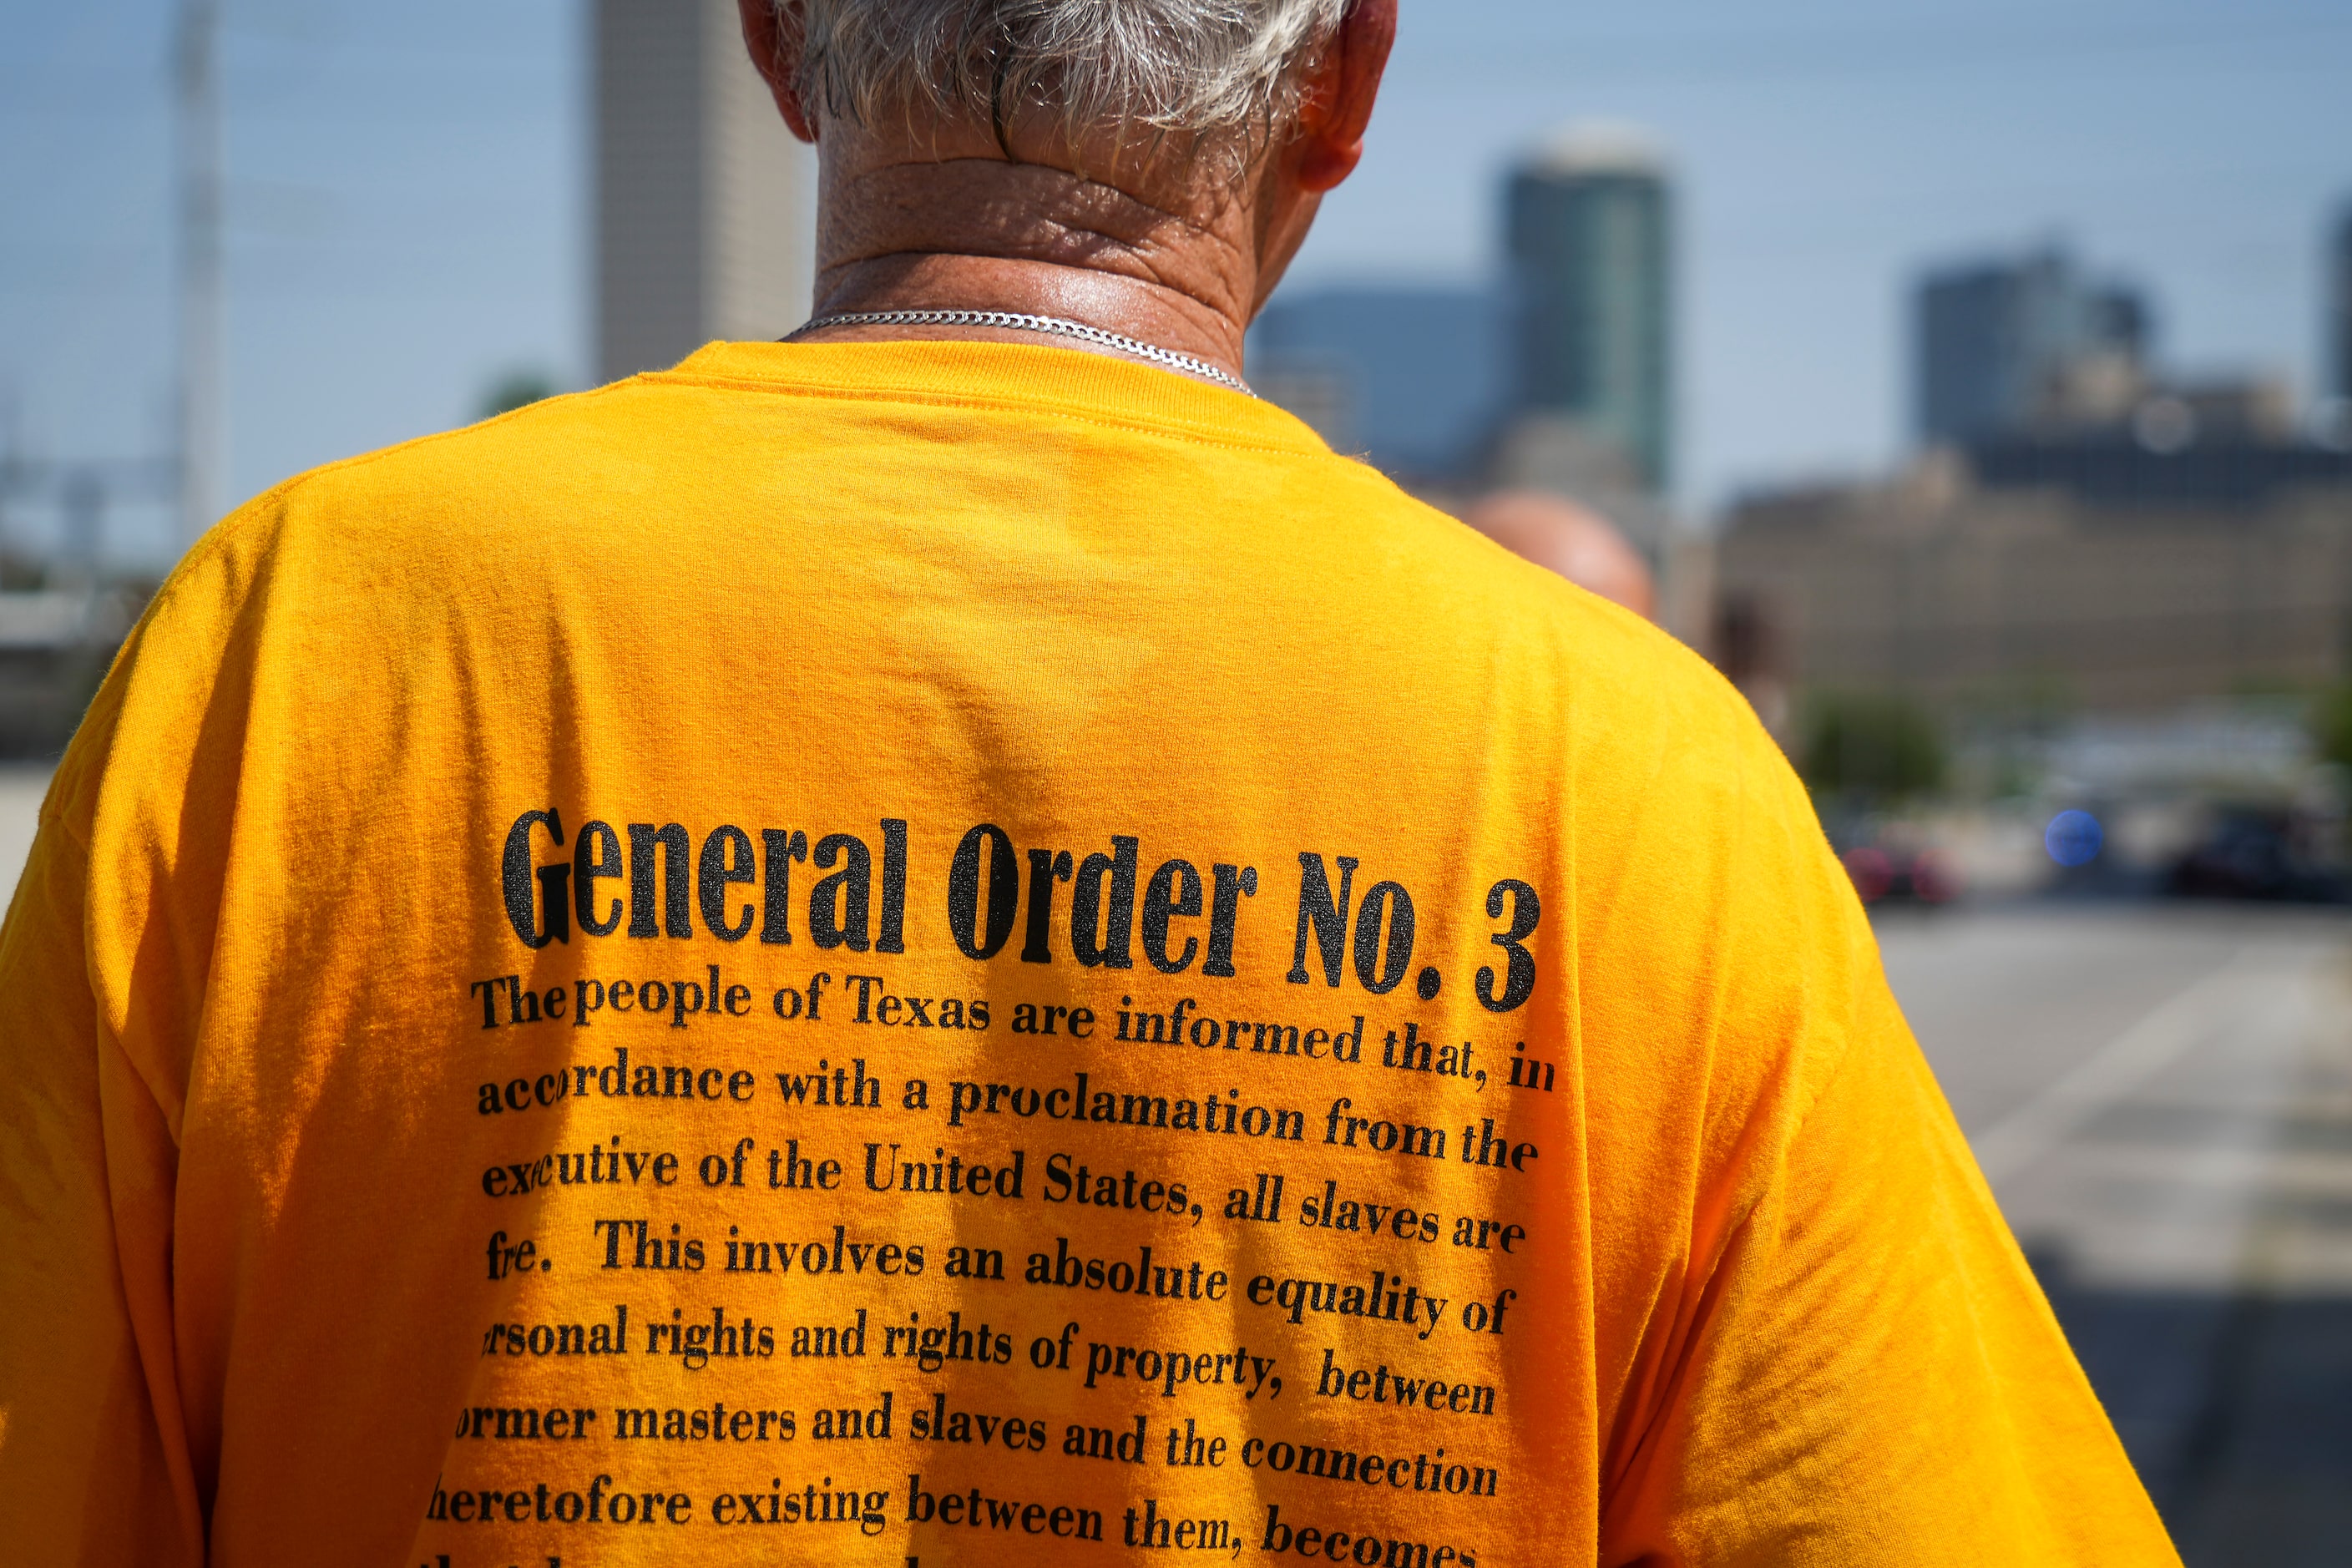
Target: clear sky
<point>407,203</point>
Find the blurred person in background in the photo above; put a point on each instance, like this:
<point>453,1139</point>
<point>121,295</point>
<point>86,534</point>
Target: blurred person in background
<point>1574,540</point>
<point>947,938</point>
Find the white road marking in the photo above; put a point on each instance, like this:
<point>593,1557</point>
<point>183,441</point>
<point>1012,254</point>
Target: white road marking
<point>2161,1036</point>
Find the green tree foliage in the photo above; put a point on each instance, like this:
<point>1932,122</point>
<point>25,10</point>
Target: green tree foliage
<point>2331,724</point>
<point>1878,746</point>
<point>515,389</point>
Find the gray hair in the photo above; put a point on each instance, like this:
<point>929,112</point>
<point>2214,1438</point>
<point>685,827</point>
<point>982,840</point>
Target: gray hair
<point>1193,68</point>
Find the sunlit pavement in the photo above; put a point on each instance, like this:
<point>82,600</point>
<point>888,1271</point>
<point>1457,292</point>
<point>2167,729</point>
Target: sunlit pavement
<point>2162,1098</point>
<point>21,789</point>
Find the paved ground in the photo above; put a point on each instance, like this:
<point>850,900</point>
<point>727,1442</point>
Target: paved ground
<point>2162,1095</point>
<point>21,789</point>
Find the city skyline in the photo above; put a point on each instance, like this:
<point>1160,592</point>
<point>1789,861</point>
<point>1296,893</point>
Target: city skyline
<point>1997,335</point>
<point>409,212</point>
<point>1589,232</point>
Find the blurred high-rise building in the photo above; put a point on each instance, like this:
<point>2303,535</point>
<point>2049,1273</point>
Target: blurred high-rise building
<point>1412,378</point>
<point>2007,345</point>
<point>701,194</point>
<point>2339,313</point>
<point>1590,233</point>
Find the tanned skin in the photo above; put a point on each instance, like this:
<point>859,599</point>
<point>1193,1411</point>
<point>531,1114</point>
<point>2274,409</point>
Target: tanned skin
<point>1156,240</point>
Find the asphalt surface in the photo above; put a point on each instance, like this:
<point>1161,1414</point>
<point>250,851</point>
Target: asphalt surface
<point>21,788</point>
<point>2162,1098</point>
<point>2161,1095</point>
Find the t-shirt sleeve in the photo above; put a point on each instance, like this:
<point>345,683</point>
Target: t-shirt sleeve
<point>1864,1369</point>
<point>92,1469</point>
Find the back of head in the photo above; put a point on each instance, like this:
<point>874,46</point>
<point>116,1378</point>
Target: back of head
<point>1137,171</point>
<point>1205,68</point>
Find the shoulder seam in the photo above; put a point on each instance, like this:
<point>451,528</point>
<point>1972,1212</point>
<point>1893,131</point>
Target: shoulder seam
<point>211,543</point>
<point>361,459</point>
<point>1052,410</point>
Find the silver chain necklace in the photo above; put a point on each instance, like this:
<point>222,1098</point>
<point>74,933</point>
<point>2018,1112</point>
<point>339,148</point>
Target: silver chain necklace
<point>1054,325</point>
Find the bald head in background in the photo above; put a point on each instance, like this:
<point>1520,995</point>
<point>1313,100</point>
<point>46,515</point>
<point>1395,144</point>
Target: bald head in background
<point>1576,541</point>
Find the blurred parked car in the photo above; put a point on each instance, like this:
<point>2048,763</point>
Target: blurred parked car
<point>1894,872</point>
<point>2257,852</point>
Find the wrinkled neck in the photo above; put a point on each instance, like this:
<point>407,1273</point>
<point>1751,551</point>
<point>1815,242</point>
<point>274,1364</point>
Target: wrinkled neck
<point>979,232</point>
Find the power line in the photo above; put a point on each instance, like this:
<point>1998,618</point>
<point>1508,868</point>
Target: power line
<point>1783,53</point>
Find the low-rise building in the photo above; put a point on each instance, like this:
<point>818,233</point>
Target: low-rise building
<point>2055,592</point>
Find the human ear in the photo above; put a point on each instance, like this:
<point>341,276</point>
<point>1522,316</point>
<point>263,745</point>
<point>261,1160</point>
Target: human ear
<point>1335,102</point>
<point>773,33</point>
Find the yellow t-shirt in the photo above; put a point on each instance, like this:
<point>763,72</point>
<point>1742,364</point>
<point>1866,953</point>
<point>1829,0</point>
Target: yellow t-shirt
<point>864,953</point>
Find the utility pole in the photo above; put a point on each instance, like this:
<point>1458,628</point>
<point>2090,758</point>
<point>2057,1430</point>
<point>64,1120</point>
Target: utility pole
<point>202,403</point>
